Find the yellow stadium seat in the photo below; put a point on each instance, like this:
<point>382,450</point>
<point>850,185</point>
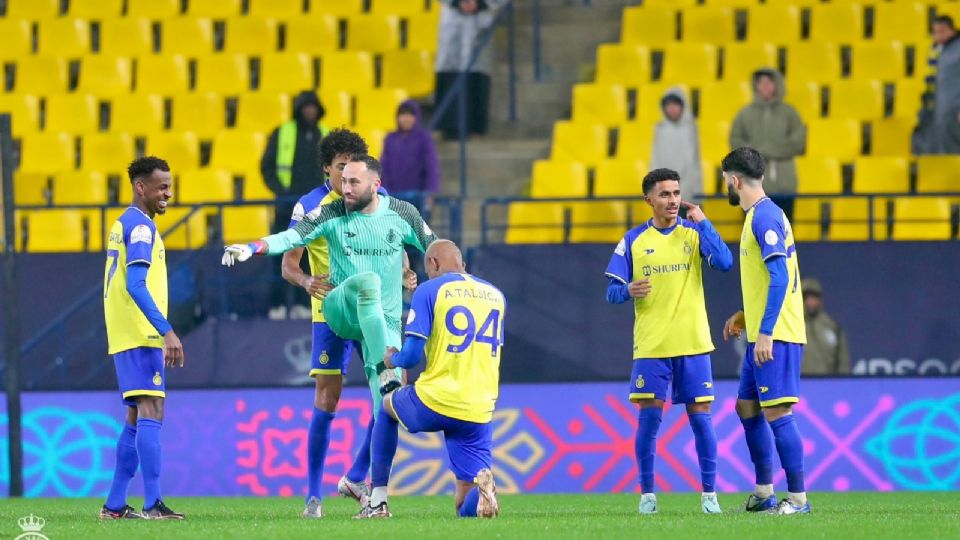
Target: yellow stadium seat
<point>262,112</point>
<point>709,24</point>
<point>577,141</point>
<point>806,222</point>
<point>313,35</point>
<point>558,179</point>
<point>891,136</point>
<point>109,153</point>
<point>398,7</point>
<point>773,23</point>
<point>722,101</point>
<point>180,149</point>
<point>714,138</point>
<point>138,114</point>
<point>635,141</point>
<point>72,113</point>
<point>80,187</point>
<point>881,175</point>
<point>347,70</point>
<point>251,35</point>
<point>798,3</point>
<point>338,105</point>
<point>254,188</point>
<point>190,234</point>
<point>276,8</point>
<point>186,35</point>
<point>162,74</point>
<point>32,9</point>
<point>689,63</point>
<point>838,137</point>
<point>938,174</point>
<point>921,218</point>
<point>880,60</point>
<point>64,37</point>
<point>410,70</point>
<point>378,107</point>
<point>204,113</point>
<point>836,22</point>
<point>241,223</point>
<point>710,173</point>
<point>41,75</point>
<point>105,75</point>
<point>374,138</point>
<point>598,222</point>
<point>423,31</point>
<point>154,9</point>
<point>816,175</point>
<point>205,185</point>
<point>805,98</point>
<point>850,220</point>
<point>655,26</point>
<point>639,212</point>
<point>648,102</point>
<point>671,3</point>
<point>31,188</point>
<point>286,72</point>
<point>24,110</point>
<point>224,73</point>
<point>740,60</point>
<point>126,36</point>
<point>906,98</point>
<point>237,151</point>
<point>603,104</point>
<point>17,40</point>
<point>619,178</point>
<point>628,65</point>
<point>336,7</point>
<point>728,220</point>
<point>860,100</point>
<point>47,153</point>
<point>535,223</point>
<point>900,21</point>
<point>50,231</point>
<point>813,61</point>
<point>373,33</point>
<point>218,9</point>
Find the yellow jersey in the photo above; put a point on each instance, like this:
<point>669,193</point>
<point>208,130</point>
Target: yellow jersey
<point>318,252</point>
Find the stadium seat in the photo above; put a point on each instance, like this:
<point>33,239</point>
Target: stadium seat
<point>709,24</point>
<point>254,188</point>
<point>881,175</point>
<point>344,8</point>
<point>30,188</point>
<point>921,218</point>
<point>262,111</point>
<point>374,137</point>
<point>17,40</point>
<point>32,9</point>
<point>191,234</point>
<point>798,3</point>
<point>314,35</point>
<point>126,36</point>
<point>900,21</point>
<point>639,212</point>
<point>411,70</point>
<point>251,35</point>
<point>806,222</point>
<point>714,137</point>
<point>241,223</point>
<point>186,35</point>
<point>534,223</point>
<point>578,141</point>
<point>553,179</point>
<point>619,178</point>
<point>423,31</point>
<point>722,101</point>
<point>773,24</point>
<point>891,136</point>
<point>72,113</point>
<point>80,187</point>
<point>276,8</point>
<point>106,152</point>
<point>378,107</point>
<point>628,65</point>
<point>237,151</point>
<point>728,220</point>
<point>40,75</point>
<point>162,74</point>
<point>906,98</point>
<point>710,174</point>
<point>938,174</point>
<point>838,137</point>
<point>878,60</point>
<point>358,64</point>
<point>836,23</point>
<point>850,220</point>
<point>635,141</point>
<point>138,114</point>
<point>56,230</point>
<point>286,72</point>
<point>105,76</point>
<point>860,100</point>
<point>398,7</point>
<point>819,175</point>
<point>689,63</point>
<point>338,105</point>
<point>598,222</point>
<point>225,73</point>
<point>154,9</point>
<point>740,60</point>
<point>64,37</point>
<point>215,9</point>
<point>654,26</point>
<point>48,152</point>
<point>204,113</point>
<point>181,149</point>
<point>805,98</point>
<point>24,111</point>
<point>373,33</point>
<point>205,185</point>
<point>596,103</point>
<point>813,61</point>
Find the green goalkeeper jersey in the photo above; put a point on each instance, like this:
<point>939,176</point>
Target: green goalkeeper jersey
<point>363,243</point>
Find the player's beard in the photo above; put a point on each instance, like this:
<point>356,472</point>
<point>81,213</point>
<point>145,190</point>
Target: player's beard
<point>732,196</point>
<point>362,201</point>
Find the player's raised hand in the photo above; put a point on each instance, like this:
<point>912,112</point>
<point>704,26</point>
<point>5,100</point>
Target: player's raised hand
<point>235,253</point>
<point>172,350</point>
<point>640,288</point>
<point>317,286</point>
<point>734,326</point>
<point>409,279</point>
<point>694,213</point>
<point>763,349</point>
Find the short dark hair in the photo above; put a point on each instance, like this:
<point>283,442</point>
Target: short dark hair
<point>341,141</point>
<point>745,161</point>
<point>944,19</point>
<point>368,160</point>
<point>143,167</point>
<point>658,175</point>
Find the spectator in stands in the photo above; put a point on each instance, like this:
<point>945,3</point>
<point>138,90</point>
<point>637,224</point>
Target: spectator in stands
<point>291,167</point>
<point>462,25</point>
<point>944,137</point>
<point>942,30</point>
<point>776,131</point>
<point>676,143</point>
<point>411,169</point>
<point>826,350</point>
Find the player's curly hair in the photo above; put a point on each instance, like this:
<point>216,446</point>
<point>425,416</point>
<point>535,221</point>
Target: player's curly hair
<point>143,167</point>
<point>658,175</point>
<point>341,141</point>
<point>746,162</point>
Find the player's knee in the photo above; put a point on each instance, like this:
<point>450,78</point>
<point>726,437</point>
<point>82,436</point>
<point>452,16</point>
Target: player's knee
<point>777,411</point>
<point>747,409</point>
<point>647,403</point>
<point>369,281</point>
<point>327,394</point>
<point>150,407</point>
<point>694,408</point>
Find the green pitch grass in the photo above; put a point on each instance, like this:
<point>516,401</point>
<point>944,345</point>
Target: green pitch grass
<point>581,517</point>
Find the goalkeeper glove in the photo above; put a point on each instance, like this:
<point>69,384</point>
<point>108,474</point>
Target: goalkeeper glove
<point>388,379</point>
<point>235,253</point>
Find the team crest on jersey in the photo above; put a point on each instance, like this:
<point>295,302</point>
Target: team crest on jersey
<point>324,358</point>
<point>646,271</point>
<point>157,379</point>
<point>640,382</point>
<point>392,237</point>
<point>687,248</point>
<point>141,233</point>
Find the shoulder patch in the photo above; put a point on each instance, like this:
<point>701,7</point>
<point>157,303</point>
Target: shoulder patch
<point>770,237</point>
<point>141,233</point>
<point>621,248</point>
<point>411,316</point>
<point>298,212</point>
<point>426,229</point>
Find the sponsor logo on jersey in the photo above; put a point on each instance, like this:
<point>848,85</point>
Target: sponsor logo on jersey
<point>764,389</point>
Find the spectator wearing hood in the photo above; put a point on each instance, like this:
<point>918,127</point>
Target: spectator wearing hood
<point>676,143</point>
<point>826,350</point>
<point>944,135</point>
<point>775,129</point>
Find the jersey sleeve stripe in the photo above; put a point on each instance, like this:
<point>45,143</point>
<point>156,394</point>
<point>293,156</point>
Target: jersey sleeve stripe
<point>774,254</point>
<point>616,277</point>
<point>415,334</point>
<point>135,261</point>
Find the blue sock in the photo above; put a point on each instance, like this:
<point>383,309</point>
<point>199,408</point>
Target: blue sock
<point>790,449</point>
<point>760,443</point>
<point>318,440</point>
<point>384,445</point>
<point>469,506</point>
<point>127,463</point>
<point>706,442</point>
<point>148,448</point>
<point>361,463</point>
<point>645,445</point>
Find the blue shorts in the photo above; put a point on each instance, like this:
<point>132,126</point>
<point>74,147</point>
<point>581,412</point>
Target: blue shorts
<point>330,353</point>
<point>140,373</point>
<point>469,444</point>
<point>691,378</point>
<point>777,381</point>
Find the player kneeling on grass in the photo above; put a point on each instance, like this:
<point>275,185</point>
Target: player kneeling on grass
<point>458,319</point>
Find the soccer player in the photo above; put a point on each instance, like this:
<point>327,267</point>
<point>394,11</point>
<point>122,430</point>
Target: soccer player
<point>140,338</point>
<point>772,317</point>
<point>659,266</point>
<point>458,319</point>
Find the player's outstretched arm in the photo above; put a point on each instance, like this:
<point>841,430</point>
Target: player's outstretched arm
<point>712,247</point>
